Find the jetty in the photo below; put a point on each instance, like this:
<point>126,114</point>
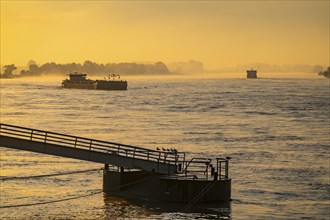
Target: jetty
<point>160,174</point>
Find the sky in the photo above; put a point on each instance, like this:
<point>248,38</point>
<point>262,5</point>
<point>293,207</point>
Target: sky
<point>218,33</point>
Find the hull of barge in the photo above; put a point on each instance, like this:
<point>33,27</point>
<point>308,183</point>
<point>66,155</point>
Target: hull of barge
<point>152,186</point>
<point>106,85</point>
<point>79,85</point>
<point>111,85</point>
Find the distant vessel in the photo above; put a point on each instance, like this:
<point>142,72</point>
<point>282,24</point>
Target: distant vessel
<point>79,81</point>
<point>251,74</point>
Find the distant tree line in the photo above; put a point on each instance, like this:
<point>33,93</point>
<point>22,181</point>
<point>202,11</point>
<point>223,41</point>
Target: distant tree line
<point>90,68</point>
<point>189,67</point>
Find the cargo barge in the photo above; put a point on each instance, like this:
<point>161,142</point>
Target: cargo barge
<point>79,81</point>
<point>251,74</point>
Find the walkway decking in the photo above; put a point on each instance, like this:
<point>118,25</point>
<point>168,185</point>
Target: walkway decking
<point>121,155</point>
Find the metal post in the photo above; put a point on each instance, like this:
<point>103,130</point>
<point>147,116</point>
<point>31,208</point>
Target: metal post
<point>179,167</point>
<point>31,135</point>
<point>207,171</point>
<point>212,171</point>
<point>227,169</point>
<point>217,168</point>
<point>165,156</point>
<point>106,169</point>
<point>45,137</point>
<point>118,151</point>
<point>220,171</point>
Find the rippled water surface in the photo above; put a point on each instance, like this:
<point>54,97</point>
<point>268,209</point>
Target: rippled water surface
<point>275,129</point>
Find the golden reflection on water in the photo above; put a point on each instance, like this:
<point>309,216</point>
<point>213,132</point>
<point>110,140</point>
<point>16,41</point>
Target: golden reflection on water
<point>275,129</point>
<point>115,207</point>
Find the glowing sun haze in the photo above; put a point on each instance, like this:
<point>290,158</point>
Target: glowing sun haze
<point>217,33</point>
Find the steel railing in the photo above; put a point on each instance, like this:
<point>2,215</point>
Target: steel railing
<point>191,167</point>
<point>203,168</point>
<point>167,157</point>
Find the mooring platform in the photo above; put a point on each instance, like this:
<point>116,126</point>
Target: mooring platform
<point>165,175</point>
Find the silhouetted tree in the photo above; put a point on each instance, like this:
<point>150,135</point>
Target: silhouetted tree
<point>161,67</point>
<point>89,67</point>
<point>31,62</point>
<point>34,68</point>
<point>8,70</point>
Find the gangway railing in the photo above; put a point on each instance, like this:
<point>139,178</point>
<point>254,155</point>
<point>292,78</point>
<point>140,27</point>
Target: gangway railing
<point>223,168</point>
<point>128,151</point>
<point>197,165</point>
<point>166,161</point>
<point>197,168</point>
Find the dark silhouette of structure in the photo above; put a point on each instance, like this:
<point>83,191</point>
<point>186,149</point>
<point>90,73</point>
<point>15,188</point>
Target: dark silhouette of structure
<point>132,171</point>
<point>79,81</point>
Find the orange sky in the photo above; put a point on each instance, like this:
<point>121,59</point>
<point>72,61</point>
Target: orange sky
<point>217,33</point>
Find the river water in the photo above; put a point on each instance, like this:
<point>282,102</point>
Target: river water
<point>276,130</point>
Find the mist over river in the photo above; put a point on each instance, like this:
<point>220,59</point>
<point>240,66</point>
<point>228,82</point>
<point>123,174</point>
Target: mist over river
<point>276,130</point>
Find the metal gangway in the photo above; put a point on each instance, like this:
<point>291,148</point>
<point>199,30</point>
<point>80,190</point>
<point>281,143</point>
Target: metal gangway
<point>120,155</point>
